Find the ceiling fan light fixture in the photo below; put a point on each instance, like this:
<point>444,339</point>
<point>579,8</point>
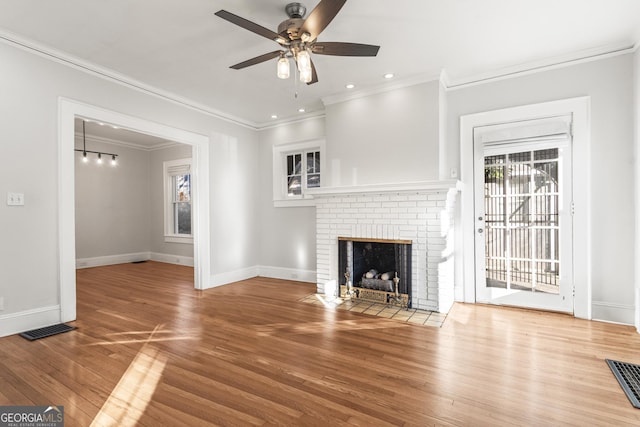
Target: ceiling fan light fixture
<point>306,75</point>
<point>283,67</point>
<point>304,60</point>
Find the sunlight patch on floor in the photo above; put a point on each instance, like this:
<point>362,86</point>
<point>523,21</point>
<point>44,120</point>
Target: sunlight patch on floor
<point>132,394</point>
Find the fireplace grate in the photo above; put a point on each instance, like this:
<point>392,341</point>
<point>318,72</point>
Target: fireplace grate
<point>628,375</point>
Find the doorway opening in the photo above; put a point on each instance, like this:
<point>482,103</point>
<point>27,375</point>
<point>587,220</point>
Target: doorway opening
<point>68,111</point>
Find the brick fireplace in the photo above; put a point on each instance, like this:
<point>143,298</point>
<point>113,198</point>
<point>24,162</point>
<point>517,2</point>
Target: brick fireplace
<point>421,213</point>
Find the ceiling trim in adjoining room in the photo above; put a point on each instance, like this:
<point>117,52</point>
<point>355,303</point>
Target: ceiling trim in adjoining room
<point>127,144</point>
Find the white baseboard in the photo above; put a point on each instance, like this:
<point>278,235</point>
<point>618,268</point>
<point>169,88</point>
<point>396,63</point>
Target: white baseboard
<point>612,312</point>
<point>263,271</point>
<point>287,273</point>
<point>112,260</point>
<point>232,276</point>
<point>27,320</point>
<point>172,259</point>
<point>134,257</point>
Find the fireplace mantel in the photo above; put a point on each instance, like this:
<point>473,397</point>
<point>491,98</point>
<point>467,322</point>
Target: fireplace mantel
<point>402,187</point>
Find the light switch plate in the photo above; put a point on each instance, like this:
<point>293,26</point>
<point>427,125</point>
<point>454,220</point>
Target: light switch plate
<point>15,199</point>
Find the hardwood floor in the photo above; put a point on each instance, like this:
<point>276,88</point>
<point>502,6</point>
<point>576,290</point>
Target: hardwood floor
<point>150,350</point>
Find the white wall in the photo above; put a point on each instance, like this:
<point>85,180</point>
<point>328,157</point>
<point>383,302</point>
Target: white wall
<point>609,83</point>
<point>31,86</point>
<point>636,82</point>
<point>389,137</point>
<point>287,234</point>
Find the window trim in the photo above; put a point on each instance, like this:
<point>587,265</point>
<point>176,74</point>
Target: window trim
<point>169,215</point>
<point>280,153</point>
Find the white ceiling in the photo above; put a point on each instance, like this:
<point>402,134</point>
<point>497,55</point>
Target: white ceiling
<point>181,48</point>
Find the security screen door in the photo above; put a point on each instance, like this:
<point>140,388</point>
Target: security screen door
<point>523,219</point>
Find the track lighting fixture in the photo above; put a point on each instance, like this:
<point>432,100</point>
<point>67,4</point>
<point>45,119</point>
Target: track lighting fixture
<point>84,150</point>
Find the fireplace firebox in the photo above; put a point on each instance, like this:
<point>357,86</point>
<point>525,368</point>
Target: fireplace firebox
<point>375,269</point>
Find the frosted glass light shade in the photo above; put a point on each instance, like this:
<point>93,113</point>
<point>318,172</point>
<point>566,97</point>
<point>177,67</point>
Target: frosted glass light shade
<point>283,68</point>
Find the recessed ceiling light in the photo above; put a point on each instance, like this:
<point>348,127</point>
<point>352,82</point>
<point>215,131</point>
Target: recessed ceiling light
<point>388,76</point>
<point>300,110</point>
<point>273,116</point>
<point>350,86</point>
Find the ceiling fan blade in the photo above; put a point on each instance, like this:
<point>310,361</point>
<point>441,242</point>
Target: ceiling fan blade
<point>256,60</point>
<point>251,26</point>
<point>321,16</point>
<point>314,74</point>
<point>345,49</point>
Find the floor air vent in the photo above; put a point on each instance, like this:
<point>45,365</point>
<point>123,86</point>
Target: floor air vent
<point>47,331</point>
<point>628,375</point>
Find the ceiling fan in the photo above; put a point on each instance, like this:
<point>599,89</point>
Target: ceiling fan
<point>298,38</point>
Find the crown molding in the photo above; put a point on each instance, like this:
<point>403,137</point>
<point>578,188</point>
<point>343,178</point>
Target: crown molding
<point>115,77</point>
<point>552,63</point>
<point>381,88</point>
<point>286,122</point>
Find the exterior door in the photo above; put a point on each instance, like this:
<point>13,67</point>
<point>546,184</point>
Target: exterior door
<point>523,221</point>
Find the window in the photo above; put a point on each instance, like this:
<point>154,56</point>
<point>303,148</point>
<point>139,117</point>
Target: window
<point>297,164</point>
<point>177,182</point>
<point>296,169</point>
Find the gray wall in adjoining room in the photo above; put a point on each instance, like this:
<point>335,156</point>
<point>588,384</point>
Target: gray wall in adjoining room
<point>120,209</point>
<point>112,202</point>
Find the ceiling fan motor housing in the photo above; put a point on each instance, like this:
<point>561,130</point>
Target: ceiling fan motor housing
<point>290,28</point>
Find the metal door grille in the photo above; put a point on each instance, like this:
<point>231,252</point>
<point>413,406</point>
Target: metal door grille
<point>522,220</point>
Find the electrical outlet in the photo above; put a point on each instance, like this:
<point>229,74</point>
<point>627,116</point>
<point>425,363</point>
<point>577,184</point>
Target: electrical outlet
<point>15,199</point>
<point>1,303</point>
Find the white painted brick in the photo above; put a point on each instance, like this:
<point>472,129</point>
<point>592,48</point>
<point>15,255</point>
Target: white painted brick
<point>411,204</point>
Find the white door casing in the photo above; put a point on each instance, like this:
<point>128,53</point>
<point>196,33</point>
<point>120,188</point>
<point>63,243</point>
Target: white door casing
<point>578,109</point>
<point>67,111</point>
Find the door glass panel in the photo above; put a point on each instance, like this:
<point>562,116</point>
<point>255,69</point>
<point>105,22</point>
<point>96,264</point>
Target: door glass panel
<point>521,221</point>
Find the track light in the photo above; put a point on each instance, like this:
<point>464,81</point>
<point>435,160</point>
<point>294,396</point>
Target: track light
<point>84,150</point>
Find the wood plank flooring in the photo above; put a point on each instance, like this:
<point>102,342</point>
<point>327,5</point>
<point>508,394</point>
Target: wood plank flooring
<point>152,351</point>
